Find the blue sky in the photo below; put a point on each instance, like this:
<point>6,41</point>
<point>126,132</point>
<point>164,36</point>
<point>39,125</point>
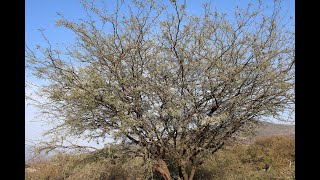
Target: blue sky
<point>42,14</point>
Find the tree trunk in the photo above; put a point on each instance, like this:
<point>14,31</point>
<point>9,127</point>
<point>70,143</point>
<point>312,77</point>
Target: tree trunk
<point>162,168</point>
<point>182,172</point>
<point>193,171</point>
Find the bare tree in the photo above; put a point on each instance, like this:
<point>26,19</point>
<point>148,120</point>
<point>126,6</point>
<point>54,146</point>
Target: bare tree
<point>173,84</point>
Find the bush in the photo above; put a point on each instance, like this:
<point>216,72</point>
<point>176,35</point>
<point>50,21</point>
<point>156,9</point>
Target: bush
<point>232,162</point>
<point>78,168</point>
<point>251,162</point>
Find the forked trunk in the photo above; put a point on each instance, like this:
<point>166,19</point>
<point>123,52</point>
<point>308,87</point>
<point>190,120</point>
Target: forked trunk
<point>193,171</point>
<point>162,168</point>
<point>183,173</point>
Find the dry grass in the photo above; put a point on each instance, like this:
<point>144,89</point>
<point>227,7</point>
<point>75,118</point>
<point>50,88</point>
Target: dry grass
<point>231,163</point>
<point>249,162</point>
<point>80,168</point>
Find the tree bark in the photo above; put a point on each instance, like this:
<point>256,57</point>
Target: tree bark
<point>182,172</point>
<point>193,171</point>
<point>162,168</point>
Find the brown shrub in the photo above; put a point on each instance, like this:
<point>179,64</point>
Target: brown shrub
<point>77,168</point>
<point>230,163</point>
<point>251,162</point>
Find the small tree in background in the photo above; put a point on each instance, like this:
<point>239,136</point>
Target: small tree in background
<point>173,84</point>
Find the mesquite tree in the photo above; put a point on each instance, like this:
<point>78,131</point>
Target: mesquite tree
<point>173,84</point>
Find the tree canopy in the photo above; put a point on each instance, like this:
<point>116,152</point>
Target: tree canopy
<point>173,84</point>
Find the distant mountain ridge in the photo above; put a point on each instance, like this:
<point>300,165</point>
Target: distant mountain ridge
<point>269,129</point>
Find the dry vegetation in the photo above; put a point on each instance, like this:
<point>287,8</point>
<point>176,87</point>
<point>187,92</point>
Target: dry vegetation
<point>175,84</point>
<point>232,162</point>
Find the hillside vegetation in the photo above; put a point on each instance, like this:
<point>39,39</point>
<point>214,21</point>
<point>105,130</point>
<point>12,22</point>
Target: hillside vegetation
<point>266,158</point>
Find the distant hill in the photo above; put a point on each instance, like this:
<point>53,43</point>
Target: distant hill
<point>30,155</point>
<point>27,152</point>
<point>266,130</point>
<point>269,129</point>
